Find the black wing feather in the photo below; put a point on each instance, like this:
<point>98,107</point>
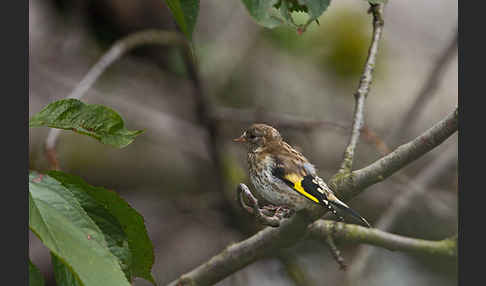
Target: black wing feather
<point>309,186</point>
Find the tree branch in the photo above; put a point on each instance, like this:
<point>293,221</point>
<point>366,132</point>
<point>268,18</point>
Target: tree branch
<point>414,188</point>
<point>363,89</point>
<point>321,229</point>
<point>291,230</point>
<point>118,49</point>
<point>336,254</point>
<point>417,187</point>
<point>352,184</point>
<point>236,256</point>
<point>203,111</point>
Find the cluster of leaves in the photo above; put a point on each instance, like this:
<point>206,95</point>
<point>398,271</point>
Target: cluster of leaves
<point>94,236</point>
<point>267,13</point>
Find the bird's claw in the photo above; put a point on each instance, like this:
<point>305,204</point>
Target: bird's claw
<point>280,211</point>
<point>283,212</point>
<point>269,214</point>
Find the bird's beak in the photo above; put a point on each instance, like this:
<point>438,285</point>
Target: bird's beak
<point>240,139</point>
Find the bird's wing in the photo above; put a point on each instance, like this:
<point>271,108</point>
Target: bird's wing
<point>301,177</point>
<point>304,183</point>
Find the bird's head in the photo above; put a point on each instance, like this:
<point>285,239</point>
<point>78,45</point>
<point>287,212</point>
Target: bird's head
<point>259,135</point>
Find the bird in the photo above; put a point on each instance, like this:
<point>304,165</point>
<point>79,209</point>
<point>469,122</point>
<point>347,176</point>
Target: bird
<point>283,176</point>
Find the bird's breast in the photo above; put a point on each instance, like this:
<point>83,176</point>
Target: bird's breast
<point>267,186</point>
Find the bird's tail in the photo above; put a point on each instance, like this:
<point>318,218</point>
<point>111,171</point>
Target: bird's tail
<point>336,202</point>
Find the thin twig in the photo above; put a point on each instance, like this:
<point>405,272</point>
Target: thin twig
<point>203,110</point>
<point>119,48</point>
<point>427,91</point>
<point>333,248</point>
<point>321,229</point>
<point>363,89</point>
<point>292,230</point>
<point>401,156</point>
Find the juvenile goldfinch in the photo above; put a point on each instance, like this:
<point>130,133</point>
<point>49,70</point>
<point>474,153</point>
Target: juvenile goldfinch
<point>282,176</point>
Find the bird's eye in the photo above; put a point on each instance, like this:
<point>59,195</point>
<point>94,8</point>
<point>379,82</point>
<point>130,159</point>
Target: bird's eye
<point>251,136</point>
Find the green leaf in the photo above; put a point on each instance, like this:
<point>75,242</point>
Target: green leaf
<point>185,13</point>
<point>316,7</point>
<point>94,120</point>
<point>63,275</point>
<point>35,277</point>
<point>59,221</point>
<point>123,226</point>
<point>263,12</point>
<point>273,13</point>
<point>114,235</point>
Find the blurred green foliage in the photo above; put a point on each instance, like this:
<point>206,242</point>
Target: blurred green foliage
<point>35,277</point>
<point>233,171</point>
<point>338,44</point>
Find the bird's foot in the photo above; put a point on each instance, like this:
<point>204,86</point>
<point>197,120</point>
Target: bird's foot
<point>283,212</point>
<point>268,215</point>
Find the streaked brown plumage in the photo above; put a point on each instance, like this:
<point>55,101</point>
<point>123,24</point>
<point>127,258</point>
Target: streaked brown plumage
<point>282,176</point>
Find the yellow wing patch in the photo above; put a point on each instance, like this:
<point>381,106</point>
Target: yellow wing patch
<point>297,181</point>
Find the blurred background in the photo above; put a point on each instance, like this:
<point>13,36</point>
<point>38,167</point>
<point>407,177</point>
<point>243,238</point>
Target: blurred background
<point>182,176</point>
